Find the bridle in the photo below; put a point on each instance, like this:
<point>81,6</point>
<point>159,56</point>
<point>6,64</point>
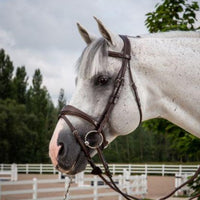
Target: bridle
<point>95,139</point>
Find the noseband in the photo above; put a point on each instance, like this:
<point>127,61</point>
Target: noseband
<point>95,139</point>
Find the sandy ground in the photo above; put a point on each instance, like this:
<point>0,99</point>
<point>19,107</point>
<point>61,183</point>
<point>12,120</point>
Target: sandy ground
<point>158,186</point>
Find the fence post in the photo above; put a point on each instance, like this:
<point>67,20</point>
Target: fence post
<point>163,170</point>
<point>34,188</point>
<point>126,180</point>
<point>26,168</point>
<point>54,170</point>
<point>95,191</point>
<point>180,169</point>
<point>40,168</point>
<point>120,186</point>
<point>129,168</point>
<point>176,183</point>
<point>14,175</point>
<point>146,169</point>
<point>80,179</point>
<point>59,175</point>
<point>137,185</point>
<point>113,166</point>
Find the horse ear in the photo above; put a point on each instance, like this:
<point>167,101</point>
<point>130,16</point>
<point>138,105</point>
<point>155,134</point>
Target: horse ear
<point>111,38</point>
<point>88,38</point>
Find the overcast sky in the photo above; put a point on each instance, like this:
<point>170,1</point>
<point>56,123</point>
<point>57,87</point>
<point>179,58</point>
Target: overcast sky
<point>43,33</point>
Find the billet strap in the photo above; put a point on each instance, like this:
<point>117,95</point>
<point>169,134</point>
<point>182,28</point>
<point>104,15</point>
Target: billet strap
<point>119,81</point>
<point>133,85</point>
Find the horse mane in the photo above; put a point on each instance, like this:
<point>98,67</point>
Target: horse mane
<point>173,34</point>
<point>92,59</point>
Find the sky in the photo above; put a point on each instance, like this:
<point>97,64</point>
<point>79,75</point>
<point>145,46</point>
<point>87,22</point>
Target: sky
<point>43,33</point>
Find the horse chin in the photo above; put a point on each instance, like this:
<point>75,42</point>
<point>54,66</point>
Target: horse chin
<point>78,165</point>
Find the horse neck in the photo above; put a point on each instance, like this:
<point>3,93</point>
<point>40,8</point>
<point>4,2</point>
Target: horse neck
<point>160,70</point>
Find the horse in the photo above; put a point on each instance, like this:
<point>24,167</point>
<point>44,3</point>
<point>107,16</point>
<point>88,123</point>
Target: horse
<point>164,69</point>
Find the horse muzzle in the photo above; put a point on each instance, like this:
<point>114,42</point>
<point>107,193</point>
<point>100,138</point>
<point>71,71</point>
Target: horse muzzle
<point>74,142</point>
<point>64,150</point>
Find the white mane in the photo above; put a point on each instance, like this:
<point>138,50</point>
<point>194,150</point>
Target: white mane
<point>174,34</point>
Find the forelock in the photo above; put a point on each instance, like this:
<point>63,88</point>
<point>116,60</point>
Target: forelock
<point>93,59</point>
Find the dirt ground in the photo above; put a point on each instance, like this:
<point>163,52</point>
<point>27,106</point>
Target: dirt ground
<point>158,186</point>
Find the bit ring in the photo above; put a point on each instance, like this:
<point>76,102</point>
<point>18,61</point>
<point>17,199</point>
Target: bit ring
<point>91,133</point>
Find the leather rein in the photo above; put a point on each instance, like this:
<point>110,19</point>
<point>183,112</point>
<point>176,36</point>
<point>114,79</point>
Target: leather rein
<point>95,139</point>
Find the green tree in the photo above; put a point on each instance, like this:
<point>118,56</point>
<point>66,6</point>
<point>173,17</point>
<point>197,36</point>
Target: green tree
<point>135,147</point>
<point>20,85</point>
<point>61,99</point>
<point>37,95</point>
<point>6,72</point>
<point>38,101</point>
<point>172,15</point>
<point>15,136</point>
<point>27,117</point>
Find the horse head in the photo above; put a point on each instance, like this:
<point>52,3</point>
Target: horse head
<point>96,78</point>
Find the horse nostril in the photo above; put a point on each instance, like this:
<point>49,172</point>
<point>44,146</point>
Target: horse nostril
<point>62,149</point>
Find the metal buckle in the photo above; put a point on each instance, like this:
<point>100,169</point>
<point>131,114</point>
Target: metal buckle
<point>128,57</point>
<point>91,136</point>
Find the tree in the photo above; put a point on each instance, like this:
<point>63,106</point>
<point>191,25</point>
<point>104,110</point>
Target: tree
<point>61,99</point>
<point>16,135</point>
<point>6,72</point>
<point>20,85</point>
<point>27,116</point>
<point>38,101</point>
<point>172,15</point>
<point>37,96</point>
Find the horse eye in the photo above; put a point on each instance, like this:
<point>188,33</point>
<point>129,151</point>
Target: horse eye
<point>102,80</point>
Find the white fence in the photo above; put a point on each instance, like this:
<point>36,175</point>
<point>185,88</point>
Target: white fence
<point>137,186</point>
<point>32,188</point>
<point>115,168</point>
<point>179,180</point>
<point>10,174</point>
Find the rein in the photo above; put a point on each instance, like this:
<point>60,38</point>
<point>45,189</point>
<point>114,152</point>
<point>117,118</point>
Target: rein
<point>95,139</point>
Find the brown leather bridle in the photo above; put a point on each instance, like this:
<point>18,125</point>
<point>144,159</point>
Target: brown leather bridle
<point>95,139</point>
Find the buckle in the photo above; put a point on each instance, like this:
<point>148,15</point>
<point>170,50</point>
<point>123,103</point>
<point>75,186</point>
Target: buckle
<point>128,57</point>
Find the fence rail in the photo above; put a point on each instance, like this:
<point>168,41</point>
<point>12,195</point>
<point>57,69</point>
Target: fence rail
<point>115,168</point>
<point>11,174</point>
<point>137,185</point>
